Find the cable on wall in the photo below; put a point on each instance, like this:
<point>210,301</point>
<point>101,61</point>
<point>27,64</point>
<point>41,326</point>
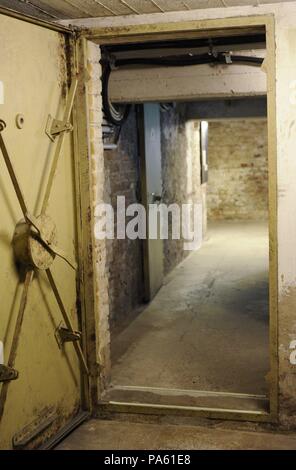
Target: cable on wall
<point>115,114</point>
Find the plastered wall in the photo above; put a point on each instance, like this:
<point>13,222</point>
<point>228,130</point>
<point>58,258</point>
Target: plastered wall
<point>238,170</point>
<point>286,197</point>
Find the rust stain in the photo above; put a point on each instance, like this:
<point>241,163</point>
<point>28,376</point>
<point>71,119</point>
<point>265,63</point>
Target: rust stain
<point>63,65</point>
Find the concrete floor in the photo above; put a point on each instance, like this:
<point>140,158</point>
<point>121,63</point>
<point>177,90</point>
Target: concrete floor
<point>207,328</point>
<point>118,435</point>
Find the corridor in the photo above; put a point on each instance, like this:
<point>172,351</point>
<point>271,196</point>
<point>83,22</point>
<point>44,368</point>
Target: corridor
<point>207,328</point>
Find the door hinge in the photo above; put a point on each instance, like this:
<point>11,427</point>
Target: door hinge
<point>64,335</point>
<point>7,373</point>
<point>54,127</point>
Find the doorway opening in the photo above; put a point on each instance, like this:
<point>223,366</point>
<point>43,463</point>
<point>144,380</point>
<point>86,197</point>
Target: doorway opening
<point>190,329</point>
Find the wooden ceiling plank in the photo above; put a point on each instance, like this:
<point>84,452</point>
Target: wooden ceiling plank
<point>74,9</point>
<point>172,5</point>
<point>119,8</point>
<point>157,6</point>
<point>43,9</point>
<point>80,6</point>
<point>186,6</point>
<point>62,8</point>
<point>105,8</point>
<point>203,4</point>
<point>27,9</point>
<point>124,2</point>
<point>144,7</point>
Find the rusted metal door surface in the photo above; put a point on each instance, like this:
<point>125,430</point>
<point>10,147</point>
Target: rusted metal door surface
<point>42,364</point>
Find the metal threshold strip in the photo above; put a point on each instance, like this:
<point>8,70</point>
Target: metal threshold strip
<point>185,411</point>
<point>212,404</point>
<point>197,393</point>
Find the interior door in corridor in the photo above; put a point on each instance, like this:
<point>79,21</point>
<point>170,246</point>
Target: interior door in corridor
<point>151,177</point>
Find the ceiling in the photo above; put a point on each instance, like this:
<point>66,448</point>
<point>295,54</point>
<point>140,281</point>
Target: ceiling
<point>55,10</point>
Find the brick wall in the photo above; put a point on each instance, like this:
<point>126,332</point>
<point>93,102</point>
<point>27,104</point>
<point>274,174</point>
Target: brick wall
<point>238,172</point>
<point>181,172</point>
<point>181,185</point>
<point>93,169</point>
<point>124,257</point>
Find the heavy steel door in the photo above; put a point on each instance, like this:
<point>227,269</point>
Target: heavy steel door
<point>151,176</point>
<point>43,366</point>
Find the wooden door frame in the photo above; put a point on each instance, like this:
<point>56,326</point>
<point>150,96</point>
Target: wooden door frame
<point>185,30</point>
